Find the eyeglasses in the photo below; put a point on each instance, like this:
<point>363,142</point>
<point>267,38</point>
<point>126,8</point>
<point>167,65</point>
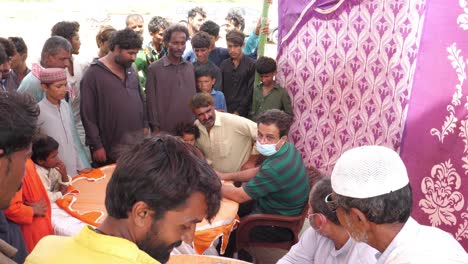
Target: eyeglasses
<point>331,204</point>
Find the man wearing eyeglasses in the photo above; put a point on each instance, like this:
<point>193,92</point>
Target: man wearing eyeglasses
<point>373,200</point>
<point>326,241</point>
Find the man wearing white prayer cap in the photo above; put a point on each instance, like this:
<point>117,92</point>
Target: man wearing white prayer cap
<point>373,200</point>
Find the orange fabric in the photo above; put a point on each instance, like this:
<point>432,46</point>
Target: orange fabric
<point>32,191</point>
<point>204,238</point>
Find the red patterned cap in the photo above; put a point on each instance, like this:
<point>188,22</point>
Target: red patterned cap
<point>50,75</point>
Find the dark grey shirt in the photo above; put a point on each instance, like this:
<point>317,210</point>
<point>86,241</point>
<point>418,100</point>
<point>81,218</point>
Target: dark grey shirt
<point>238,84</point>
<point>112,109</point>
<point>169,88</point>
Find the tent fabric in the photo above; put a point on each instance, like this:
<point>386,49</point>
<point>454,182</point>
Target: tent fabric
<point>349,75</point>
<point>389,73</point>
<point>435,143</point>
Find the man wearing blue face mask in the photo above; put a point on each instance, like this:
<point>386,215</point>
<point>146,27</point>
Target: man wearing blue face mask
<point>280,185</point>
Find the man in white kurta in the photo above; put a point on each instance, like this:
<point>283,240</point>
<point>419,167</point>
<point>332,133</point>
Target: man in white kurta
<point>373,200</point>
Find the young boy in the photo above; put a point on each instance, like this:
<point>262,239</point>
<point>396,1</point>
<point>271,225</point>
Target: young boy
<point>206,83</point>
<point>268,95</point>
<point>188,132</point>
<point>55,117</point>
<point>238,75</point>
<point>201,43</point>
<point>50,168</point>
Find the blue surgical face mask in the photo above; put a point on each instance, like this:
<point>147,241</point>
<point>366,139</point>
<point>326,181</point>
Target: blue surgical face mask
<point>266,149</point>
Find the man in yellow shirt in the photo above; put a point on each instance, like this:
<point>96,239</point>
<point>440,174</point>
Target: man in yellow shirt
<point>157,194</point>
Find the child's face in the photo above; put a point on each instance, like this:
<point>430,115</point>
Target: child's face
<point>189,139</point>
<point>55,91</point>
<point>202,54</point>
<point>235,51</point>
<point>268,78</point>
<point>205,83</point>
<point>52,160</point>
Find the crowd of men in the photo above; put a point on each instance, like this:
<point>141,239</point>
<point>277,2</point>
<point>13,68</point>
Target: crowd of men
<point>179,115</point>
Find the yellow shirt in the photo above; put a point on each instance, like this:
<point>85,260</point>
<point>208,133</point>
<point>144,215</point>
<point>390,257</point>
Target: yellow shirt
<point>229,144</point>
<point>88,247</point>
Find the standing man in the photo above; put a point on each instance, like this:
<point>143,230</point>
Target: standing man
<point>18,124</point>
<point>56,53</point>
<point>373,199</point>
<point>154,50</point>
<point>19,69</point>
<point>158,192</point>
<point>225,139</point>
<point>196,17</point>
<point>170,84</point>
<point>111,106</point>
<point>10,51</point>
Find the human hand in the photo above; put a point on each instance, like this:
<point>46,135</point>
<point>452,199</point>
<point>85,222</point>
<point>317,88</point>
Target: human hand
<point>99,155</point>
<point>62,169</point>
<point>39,207</point>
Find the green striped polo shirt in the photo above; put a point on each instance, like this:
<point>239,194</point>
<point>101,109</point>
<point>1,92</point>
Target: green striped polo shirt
<point>282,185</point>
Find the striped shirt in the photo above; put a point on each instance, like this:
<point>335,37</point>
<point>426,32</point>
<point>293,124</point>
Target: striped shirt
<point>282,185</point>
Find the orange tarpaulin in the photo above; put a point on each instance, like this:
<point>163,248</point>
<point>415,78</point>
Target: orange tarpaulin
<point>84,200</point>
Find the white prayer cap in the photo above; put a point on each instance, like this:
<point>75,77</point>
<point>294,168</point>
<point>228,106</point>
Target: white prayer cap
<point>368,171</point>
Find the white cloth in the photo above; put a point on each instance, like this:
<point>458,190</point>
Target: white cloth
<point>52,179</point>
<point>229,144</point>
<point>56,122</point>
<point>417,243</point>
<point>315,248</point>
<point>65,224</point>
<point>79,69</point>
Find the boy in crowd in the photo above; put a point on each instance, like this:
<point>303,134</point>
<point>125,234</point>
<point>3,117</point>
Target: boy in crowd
<point>50,167</point>
<point>217,54</point>
<point>268,95</point>
<point>188,132</point>
<point>55,118</point>
<point>102,40</point>
<point>201,43</point>
<point>152,51</point>
<point>19,69</point>
<point>206,83</point>
<point>238,75</point>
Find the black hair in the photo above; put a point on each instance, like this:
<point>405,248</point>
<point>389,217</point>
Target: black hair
<point>175,28</point>
<point>265,65</point>
<point>3,55</point>
<point>18,121</point>
<point>196,10</point>
<point>125,39</point>
<point>393,207</point>
<point>187,128</point>
<point>20,45</point>
<point>205,70</point>
<point>162,172</point>
<point>201,40</point>
<point>65,29</point>
<point>8,46</point>
<point>211,28</point>
<point>235,36</point>
<point>42,147</point>
<point>157,23</point>
<point>236,18</point>
<point>277,117</point>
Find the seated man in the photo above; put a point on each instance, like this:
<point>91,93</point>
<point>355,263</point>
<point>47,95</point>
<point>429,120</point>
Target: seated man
<point>225,139</point>
<point>280,186</point>
<point>373,200</point>
<point>326,241</point>
<point>157,194</point>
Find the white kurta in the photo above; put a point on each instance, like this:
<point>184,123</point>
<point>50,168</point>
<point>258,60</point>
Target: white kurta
<point>52,180</point>
<point>417,243</point>
<point>315,248</point>
<point>56,122</point>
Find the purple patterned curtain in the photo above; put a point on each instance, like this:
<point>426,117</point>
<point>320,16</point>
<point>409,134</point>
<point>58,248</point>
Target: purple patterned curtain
<point>435,142</point>
<point>351,74</point>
